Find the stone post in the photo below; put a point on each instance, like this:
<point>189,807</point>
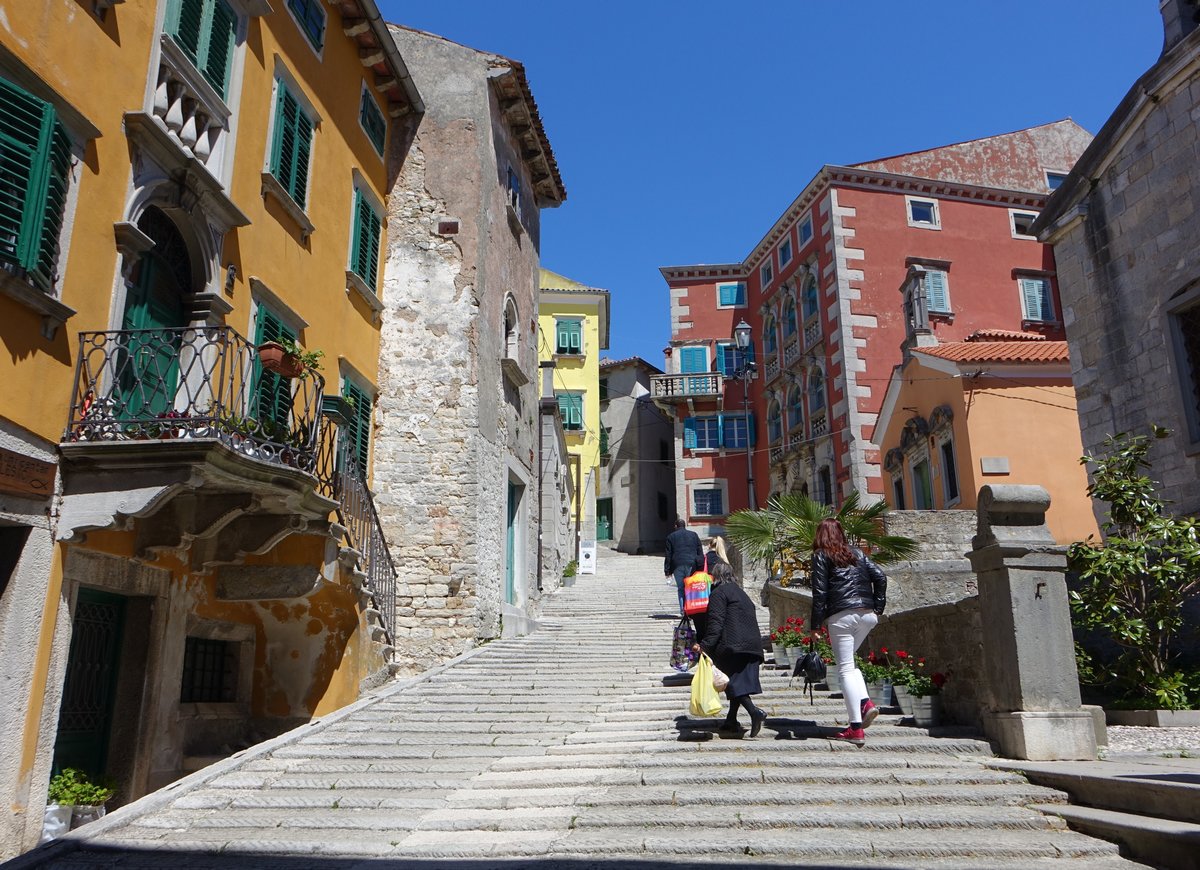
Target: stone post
<point>1031,692</point>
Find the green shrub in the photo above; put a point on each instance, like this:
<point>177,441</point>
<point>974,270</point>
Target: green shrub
<point>74,787</point>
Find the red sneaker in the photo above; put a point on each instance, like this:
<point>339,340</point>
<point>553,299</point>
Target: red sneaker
<point>869,711</point>
<point>852,735</point>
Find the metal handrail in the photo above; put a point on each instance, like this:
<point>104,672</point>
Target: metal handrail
<point>192,383</point>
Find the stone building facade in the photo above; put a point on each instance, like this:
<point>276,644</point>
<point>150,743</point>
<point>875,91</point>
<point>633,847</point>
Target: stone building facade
<point>636,496</point>
<point>1124,227</point>
<point>458,417</point>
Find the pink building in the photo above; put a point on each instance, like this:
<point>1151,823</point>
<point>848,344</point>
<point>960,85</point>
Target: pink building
<point>909,250</point>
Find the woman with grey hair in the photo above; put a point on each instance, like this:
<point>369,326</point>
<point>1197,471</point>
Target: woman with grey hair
<point>732,639</point>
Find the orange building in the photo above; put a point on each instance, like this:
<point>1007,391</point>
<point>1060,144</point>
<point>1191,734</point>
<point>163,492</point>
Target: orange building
<point>996,408</point>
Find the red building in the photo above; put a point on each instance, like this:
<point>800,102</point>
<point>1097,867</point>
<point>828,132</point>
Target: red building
<point>914,249</point>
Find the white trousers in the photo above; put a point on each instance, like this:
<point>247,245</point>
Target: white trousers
<point>847,631</point>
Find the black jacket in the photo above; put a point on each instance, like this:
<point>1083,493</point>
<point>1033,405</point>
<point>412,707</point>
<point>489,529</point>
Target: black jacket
<point>684,550</point>
<point>731,625</point>
<point>835,589</point>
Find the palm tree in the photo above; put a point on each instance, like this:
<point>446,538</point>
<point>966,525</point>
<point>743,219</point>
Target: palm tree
<point>784,529</point>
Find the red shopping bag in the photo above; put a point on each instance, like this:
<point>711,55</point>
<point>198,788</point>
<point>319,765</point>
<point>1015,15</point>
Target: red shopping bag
<point>695,593</point>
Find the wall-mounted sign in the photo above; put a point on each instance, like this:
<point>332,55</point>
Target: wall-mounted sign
<point>23,475</point>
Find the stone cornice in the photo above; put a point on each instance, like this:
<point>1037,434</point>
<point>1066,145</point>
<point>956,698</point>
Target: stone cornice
<point>520,112</point>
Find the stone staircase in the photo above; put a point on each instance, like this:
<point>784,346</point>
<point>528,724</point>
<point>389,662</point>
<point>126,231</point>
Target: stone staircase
<point>568,748</point>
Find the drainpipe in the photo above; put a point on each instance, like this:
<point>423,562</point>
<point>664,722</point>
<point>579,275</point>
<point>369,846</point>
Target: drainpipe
<point>547,369</point>
<point>578,460</point>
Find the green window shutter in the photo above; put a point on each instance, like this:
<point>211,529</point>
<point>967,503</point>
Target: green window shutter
<point>689,433</point>
<point>576,337</point>
<point>186,25</point>
<point>577,412</point>
<point>312,20</point>
<point>937,298</point>
<point>604,442</point>
<point>291,145</point>
<point>359,428</point>
<point>568,336</point>
<point>220,35</point>
<point>372,121</point>
<point>364,252</point>
<point>35,157</point>
<point>272,394</point>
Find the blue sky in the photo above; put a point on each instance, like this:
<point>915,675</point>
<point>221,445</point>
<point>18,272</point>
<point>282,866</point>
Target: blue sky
<point>682,131</point>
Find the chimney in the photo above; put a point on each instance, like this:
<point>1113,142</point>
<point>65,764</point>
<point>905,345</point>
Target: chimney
<point>547,367</point>
<point>1180,17</point>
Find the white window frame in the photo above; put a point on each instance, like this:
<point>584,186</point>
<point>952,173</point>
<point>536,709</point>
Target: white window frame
<point>1012,222</point>
<point>807,221</point>
<point>581,320</point>
<point>742,293</point>
<point>910,201</point>
<point>720,434</point>
<point>1061,172</point>
<point>766,272</point>
<point>947,438</point>
<point>715,483</point>
<point>1049,291</point>
<point>369,93</point>
<point>786,245</point>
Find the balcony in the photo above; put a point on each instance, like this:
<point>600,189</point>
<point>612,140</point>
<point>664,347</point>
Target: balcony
<point>795,441</point>
<point>771,367</point>
<point>775,454</point>
<point>682,387</point>
<point>183,430</point>
<point>819,423</point>
<point>791,350</point>
<point>812,333</point>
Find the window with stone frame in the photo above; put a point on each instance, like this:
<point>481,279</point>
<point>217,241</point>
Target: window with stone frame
<point>708,501</point>
<point>898,492</point>
<point>210,671</point>
<point>770,336</point>
<point>1185,328</point>
<point>785,253</point>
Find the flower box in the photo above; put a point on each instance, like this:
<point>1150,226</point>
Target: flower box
<point>275,359</point>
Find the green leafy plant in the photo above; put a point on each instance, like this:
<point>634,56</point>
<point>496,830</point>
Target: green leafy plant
<point>921,684</point>
<point>791,633</point>
<point>1133,585</point>
<point>74,787</point>
<point>571,568</point>
<point>783,532</point>
<point>310,359</point>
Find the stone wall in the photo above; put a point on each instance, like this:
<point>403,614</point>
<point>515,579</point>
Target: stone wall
<point>940,572</point>
<point>557,487</point>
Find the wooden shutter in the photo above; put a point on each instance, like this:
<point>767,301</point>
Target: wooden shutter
<point>693,359</point>
<point>218,47</point>
<point>937,297</point>
<point>359,428</point>
<point>187,27</point>
<point>292,145</point>
<point>272,394</point>
<point>372,121</point>
<point>723,351</point>
<point>689,433</point>
<point>53,185</point>
<point>364,254</point>
<point>1035,299</point>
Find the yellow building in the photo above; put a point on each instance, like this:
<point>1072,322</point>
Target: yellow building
<point>573,328</point>
<point>192,564</point>
<point>998,408</point>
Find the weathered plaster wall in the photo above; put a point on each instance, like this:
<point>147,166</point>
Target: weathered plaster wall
<point>451,432</point>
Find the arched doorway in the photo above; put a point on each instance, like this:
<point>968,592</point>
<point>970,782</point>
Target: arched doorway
<point>154,312</point>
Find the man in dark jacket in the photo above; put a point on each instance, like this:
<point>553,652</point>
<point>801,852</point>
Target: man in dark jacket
<point>685,556</point>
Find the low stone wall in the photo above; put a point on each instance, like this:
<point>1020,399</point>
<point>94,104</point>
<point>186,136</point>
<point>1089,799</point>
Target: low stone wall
<point>940,573</point>
<point>785,601</point>
<point>949,638</point>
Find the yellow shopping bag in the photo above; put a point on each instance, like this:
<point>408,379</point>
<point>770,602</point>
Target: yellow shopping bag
<point>705,701</point>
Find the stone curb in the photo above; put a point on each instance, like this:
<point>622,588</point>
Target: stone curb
<point>156,800</point>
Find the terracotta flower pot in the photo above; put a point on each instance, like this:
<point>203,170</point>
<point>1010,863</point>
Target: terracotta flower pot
<point>275,359</point>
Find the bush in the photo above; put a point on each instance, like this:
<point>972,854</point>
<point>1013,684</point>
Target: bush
<point>74,787</point>
<point>1132,587</point>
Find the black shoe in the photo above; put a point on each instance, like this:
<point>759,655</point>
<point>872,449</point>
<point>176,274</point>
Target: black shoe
<point>756,722</point>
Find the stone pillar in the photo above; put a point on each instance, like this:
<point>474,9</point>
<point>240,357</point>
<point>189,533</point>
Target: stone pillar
<point>1031,692</point>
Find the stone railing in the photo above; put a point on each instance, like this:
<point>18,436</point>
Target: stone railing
<point>791,350</point>
<point>193,112</point>
<point>795,440</point>
<point>819,423</point>
<point>812,333</point>
<point>775,454</point>
<point>771,367</point>
<point>685,386</point>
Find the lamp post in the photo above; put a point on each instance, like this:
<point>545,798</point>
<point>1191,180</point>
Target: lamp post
<point>745,371</point>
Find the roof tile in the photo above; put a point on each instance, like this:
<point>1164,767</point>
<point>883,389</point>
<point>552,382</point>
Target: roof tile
<point>999,351</point>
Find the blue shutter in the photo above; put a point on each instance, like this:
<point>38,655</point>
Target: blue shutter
<point>937,298</point>
<point>721,439</point>
<point>689,433</point>
<point>1035,299</point>
<point>739,294</point>
<point>750,424</point>
<point>693,359</point>
<point>722,349</point>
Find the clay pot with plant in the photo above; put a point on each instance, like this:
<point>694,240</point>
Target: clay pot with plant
<point>288,359</point>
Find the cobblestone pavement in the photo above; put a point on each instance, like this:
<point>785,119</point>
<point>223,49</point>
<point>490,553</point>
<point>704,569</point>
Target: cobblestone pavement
<point>569,749</point>
<point>1130,738</point>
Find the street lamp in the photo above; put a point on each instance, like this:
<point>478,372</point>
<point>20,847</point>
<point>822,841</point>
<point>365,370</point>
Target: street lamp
<point>745,371</point>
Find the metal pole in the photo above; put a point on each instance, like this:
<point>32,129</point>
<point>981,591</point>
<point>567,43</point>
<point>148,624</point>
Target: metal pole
<point>753,501</point>
<point>578,502</point>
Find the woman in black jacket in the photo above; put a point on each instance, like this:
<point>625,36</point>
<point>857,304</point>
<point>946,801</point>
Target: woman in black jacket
<point>849,594</point>
<point>733,641</point>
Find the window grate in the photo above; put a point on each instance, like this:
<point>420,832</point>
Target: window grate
<point>209,671</point>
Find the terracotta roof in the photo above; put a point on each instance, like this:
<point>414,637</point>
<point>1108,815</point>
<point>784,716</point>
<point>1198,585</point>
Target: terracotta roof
<point>999,351</point>
<point>1004,335</point>
<point>635,360</point>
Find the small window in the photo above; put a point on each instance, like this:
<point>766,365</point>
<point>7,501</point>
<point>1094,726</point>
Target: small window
<point>664,506</point>
<point>359,429</point>
<point>708,502</point>
<point>1185,323</point>
<point>738,435</point>
<point>1022,224</point>
<point>922,491</point>
<point>923,213</point>
<point>372,121</point>
<point>766,274</point>
<point>209,671</point>
<point>1036,301</point>
<point>808,298</point>
<point>730,360</point>
<point>291,146</point>
<point>702,433</point>
<point>898,493</point>
<point>513,190</point>
<point>35,163</point>
<point>733,294</point>
<point>949,473</point>
<point>205,30</point>
<point>825,485</point>
<point>785,253</point>
<point>604,441</point>
<point>604,389</point>
<point>364,245</point>
<point>570,405</point>
<point>1054,180</point>
<point>795,408</point>
<point>937,292</point>
<point>806,230</point>
<point>789,318</point>
<point>770,337</point>
<point>310,16</point>
<point>693,360</point>
<point>816,392</point>
<point>774,423</point>
<point>568,337</point>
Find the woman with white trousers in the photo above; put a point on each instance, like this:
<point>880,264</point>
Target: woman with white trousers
<point>849,595</point>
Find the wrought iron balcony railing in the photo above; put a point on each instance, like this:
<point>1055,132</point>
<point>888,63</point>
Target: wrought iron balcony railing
<point>192,383</point>
<point>686,386</point>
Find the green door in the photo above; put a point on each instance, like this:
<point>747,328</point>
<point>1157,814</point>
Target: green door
<point>85,717</point>
<point>149,357</point>
<point>604,519</point>
<point>510,545</point>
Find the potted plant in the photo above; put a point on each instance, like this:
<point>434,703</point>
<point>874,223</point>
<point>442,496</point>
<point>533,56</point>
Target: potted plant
<point>902,671</point>
<point>787,638</point>
<point>569,573</point>
<point>877,673</point>
<point>926,697</point>
<point>795,640</point>
<point>86,798</point>
<point>288,359</point>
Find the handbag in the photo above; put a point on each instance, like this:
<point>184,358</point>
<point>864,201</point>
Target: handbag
<point>695,593</point>
<point>704,701</point>
<point>812,667</point>
<point>683,657</point>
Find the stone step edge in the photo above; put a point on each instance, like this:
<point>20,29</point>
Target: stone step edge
<point>1162,842</point>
